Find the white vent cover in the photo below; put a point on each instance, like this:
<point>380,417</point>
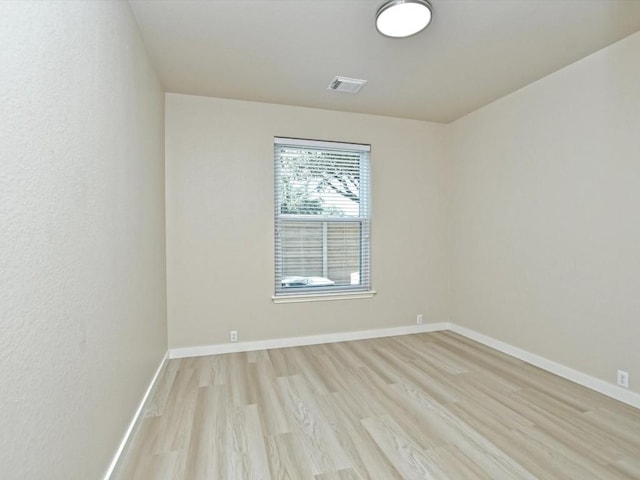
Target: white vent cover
<point>346,85</point>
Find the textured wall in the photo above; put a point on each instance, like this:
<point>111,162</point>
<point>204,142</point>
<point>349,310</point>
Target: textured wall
<point>545,207</point>
<point>82,273</point>
<point>220,221</point>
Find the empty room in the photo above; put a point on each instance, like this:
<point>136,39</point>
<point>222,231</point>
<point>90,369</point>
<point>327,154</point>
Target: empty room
<point>319,239</point>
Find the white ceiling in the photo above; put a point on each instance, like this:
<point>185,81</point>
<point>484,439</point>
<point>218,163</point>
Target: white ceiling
<point>288,51</point>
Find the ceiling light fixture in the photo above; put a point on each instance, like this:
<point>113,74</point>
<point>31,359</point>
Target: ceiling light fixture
<point>403,18</point>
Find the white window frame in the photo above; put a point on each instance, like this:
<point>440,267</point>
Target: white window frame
<point>335,292</point>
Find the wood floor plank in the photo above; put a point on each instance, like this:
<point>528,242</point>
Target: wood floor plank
<point>246,450</point>
<point>269,400</point>
<point>620,430</point>
<point>434,405</point>
<point>316,439</point>
<point>418,425</point>
<point>286,459</point>
<point>628,466</point>
<point>312,371</point>
<point>453,429</point>
<point>206,454</point>
<point>572,430</point>
<point>455,465</point>
<point>238,381</point>
<point>138,455</point>
<point>176,422</point>
<point>367,458</point>
<point>404,454</point>
<point>283,362</point>
<point>553,458</point>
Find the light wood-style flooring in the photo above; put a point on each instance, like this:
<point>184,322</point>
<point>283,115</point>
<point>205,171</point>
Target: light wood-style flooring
<point>425,406</point>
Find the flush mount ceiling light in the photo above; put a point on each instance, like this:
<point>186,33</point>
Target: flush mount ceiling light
<point>403,18</point>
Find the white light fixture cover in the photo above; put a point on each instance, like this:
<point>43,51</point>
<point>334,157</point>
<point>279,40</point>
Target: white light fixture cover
<point>403,18</point>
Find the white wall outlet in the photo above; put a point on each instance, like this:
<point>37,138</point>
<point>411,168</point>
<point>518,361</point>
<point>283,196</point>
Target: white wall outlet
<point>419,320</point>
<point>233,336</point>
<point>623,378</point>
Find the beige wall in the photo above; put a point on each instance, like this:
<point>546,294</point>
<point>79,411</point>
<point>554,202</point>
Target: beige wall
<point>545,216</point>
<point>220,221</point>
<point>82,273</point>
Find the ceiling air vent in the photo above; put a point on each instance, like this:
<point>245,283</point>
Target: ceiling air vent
<point>346,85</point>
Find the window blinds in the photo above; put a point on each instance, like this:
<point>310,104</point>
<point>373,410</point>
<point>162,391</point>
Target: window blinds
<point>322,216</point>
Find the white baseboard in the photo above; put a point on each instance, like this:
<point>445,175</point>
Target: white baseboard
<point>136,418</point>
<point>197,351</point>
<point>601,386</point>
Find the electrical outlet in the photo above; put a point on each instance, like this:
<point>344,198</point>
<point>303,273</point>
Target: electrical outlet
<point>233,336</point>
<point>623,378</point>
<point>419,320</point>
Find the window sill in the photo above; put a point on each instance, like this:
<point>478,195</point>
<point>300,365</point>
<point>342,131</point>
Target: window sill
<point>323,297</point>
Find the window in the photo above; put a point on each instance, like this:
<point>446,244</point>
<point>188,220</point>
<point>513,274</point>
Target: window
<point>322,217</point>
